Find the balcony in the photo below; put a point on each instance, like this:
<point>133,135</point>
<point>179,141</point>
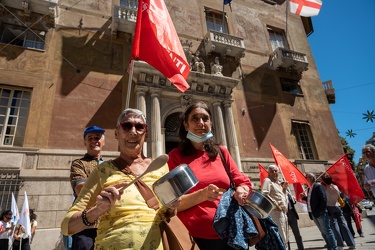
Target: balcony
<point>44,7</point>
<point>289,60</point>
<point>222,43</point>
<point>125,16</point>
<point>330,92</point>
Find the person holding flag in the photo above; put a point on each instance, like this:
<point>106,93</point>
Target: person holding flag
<point>277,192</point>
<point>368,153</point>
<point>22,233</point>
<point>6,229</point>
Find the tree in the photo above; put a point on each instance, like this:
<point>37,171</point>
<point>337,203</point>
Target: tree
<point>349,151</point>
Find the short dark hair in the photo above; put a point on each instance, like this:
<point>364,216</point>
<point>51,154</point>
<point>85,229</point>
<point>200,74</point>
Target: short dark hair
<point>6,212</point>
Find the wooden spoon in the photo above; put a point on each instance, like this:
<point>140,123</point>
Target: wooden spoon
<point>157,163</point>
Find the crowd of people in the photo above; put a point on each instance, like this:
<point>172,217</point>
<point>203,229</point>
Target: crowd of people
<point>108,213</point>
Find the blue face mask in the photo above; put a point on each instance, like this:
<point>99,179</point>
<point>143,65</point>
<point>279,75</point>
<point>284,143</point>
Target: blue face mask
<point>198,139</point>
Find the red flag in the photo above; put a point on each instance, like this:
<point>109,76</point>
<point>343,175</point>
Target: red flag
<point>342,174</point>
<point>291,173</point>
<point>305,8</point>
<point>298,189</point>
<point>156,42</point>
<point>263,173</point>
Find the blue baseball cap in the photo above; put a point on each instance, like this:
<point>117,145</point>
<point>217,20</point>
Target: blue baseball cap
<point>93,129</point>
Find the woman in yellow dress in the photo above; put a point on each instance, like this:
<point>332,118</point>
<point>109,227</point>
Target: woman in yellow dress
<point>124,220</point>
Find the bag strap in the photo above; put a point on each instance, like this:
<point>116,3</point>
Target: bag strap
<point>232,184</point>
<point>142,187</point>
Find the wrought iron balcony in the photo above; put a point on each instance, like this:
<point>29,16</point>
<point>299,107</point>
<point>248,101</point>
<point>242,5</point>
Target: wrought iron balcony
<point>224,44</point>
<point>125,16</point>
<point>287,59</point>
<point>330,91</point>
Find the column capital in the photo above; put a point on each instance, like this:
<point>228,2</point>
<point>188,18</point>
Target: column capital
<point>155,91</point>
<point>227,102</point>
<point>141,89</point>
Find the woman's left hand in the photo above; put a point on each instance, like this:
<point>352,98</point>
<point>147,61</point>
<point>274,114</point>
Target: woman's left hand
<point>241,194</point>
<point>174,205</point>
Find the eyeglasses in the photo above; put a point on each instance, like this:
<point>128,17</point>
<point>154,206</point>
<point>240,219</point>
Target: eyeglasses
<point>139,127</point>
<point>368,151</point>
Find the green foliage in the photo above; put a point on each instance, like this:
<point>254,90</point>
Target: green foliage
<point>348,150</point>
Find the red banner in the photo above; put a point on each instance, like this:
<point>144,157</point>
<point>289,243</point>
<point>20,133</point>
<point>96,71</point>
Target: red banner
<point>291,173</point>
<point>156,42</point>
<point>263,173</point>
<point>342,174</point>
<point>298,189</point>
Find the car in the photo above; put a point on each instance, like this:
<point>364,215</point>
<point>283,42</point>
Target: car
<point>367,204</point>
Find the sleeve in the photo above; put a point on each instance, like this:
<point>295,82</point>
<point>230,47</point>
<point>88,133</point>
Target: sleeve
<point>77,173</point>
<point>174,159</point>
<point>367,173</point>
<point>86,199</point>
<point>239,178</point>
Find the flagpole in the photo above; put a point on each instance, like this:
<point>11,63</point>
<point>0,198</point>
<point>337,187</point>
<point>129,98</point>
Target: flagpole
<point>129,83</point>
<point>286,19</point>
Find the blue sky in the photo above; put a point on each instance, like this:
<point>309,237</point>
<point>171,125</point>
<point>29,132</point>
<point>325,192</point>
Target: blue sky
<point>343,46</point>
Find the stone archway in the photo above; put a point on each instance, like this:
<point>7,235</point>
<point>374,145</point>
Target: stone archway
<point>172,123</point>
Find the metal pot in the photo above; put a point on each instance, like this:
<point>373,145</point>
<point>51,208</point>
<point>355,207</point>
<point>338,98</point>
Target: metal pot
<point>259,204</point>
<point>174,184</point>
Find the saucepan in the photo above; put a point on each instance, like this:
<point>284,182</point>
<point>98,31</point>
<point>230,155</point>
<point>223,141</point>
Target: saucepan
<point>259,204</point>
<point>174,184</point>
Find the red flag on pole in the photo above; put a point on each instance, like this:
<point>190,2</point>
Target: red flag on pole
<point>156,42</point>
<point>263,173</point>
<point>291,173</point>
<point>298,189</point>
<point>342,174</point>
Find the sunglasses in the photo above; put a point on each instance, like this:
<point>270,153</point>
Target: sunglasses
<point>139,127</point>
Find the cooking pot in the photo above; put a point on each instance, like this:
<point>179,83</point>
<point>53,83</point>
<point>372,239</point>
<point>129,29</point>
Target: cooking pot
<point>259,204</point>
<point>174,184</point>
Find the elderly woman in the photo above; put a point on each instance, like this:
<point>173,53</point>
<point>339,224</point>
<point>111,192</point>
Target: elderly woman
<point>124,220</point>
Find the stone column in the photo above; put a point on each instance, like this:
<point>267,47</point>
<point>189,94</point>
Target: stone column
<point>231,134</point>
<point>140,92</point>
<point>156,140</point>
<point>219,123</point>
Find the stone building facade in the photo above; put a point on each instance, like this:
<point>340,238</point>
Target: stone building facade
<point>64,66</point>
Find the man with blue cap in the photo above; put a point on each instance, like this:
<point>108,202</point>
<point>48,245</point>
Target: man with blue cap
<point>93,139</point>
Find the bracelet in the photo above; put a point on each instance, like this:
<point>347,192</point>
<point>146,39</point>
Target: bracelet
<point>85,221</point>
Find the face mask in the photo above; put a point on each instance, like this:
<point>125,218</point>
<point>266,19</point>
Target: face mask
<point>198,139</point>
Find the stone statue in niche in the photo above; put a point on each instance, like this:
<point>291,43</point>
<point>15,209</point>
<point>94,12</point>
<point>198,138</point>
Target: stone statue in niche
<point>197,63</point>
<point>216,68</point>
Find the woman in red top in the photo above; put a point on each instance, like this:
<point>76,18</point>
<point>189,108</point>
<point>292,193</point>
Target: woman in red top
<point>201,153</point>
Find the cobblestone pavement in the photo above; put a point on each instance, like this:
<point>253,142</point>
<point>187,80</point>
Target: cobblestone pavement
<point>312,239</point>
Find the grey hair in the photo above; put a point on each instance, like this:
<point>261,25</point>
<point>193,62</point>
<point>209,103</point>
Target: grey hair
<point>136,112</point>
<point>369,147</point>
<point>311,175</point>
<point>272,166</point>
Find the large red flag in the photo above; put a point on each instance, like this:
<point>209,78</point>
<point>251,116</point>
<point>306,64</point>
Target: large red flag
<point>156,42</point>
<point>263,173</point>
<point>342,174</point>
<point>291,173</point>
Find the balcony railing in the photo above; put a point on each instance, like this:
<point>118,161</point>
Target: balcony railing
<point>224,44</point>
<point>330,91</point>
<point>45,7</point>
<point>125,15</point>
<point>289,60</point>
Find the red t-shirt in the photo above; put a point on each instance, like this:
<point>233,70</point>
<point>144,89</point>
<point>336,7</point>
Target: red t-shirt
<point>199,219</point>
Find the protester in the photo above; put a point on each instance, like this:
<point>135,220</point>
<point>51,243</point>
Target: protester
<point>21,240</point>
<point>337,221</point>
<point>368,153</point>
<point>277,192</point>
<point>317,207</point>
<point>6,229</point>
<point>93,139</point>
<point>33,224</point>
<point>123,218</point>
<point>349,214</point>
<point>198,149</point>
<point>293,221</point>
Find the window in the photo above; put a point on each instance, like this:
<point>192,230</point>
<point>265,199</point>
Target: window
<point>21,36</point>
<point>216,20</point>
<point>14,110</point>
<point>277,39</point>
<point>9,183</point>
<point>290,86</point>
<point>301,131</point>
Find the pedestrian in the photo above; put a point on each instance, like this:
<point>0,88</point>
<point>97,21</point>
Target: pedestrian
<point>316,200</point>
<point>93,139</point>
<point>349,215</point>
<point>123,218</point>
<point>368,153</point>
<point>33,224</point>
<point>198,149</point>
<point>6,229</point>
<point>293,221</point>
<point>277,192</point>
<point>336,218</point>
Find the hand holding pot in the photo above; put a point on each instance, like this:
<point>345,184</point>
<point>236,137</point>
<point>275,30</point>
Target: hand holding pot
<point>241,194</point>
<point>212,192</point>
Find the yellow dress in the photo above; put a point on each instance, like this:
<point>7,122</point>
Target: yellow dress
<point>130,223</point>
